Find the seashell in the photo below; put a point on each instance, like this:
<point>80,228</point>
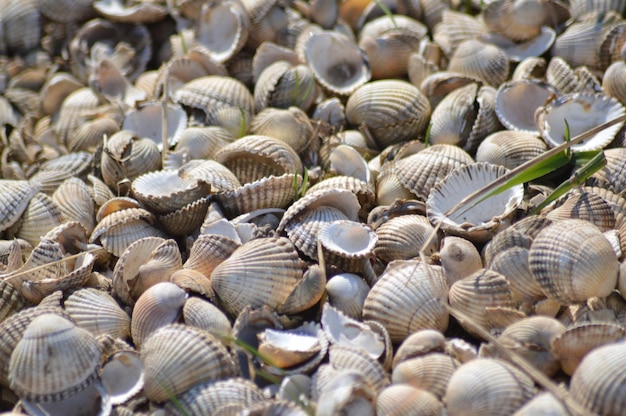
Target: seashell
<point>275,406</point>
<point>478,291</point>
<point>266,20</point>
<point>403,302</point>
<point>579,9</point>
<point>267,192</point>
<point>343,392</point>
<point>268,268</point>
<point>459,258</point>
<point>75,203</point>
<point>579,204</point>
<point>197,143</point>
<point>455,28</point>
<point>145,122</point>
<point>331,111</point>
<point>464,117</point>
<point>481,60</point>
<point>208,251</point>
<point>217,397</point>
<point>430,372</point>
<point>553,252</point>
<point>613,199</point>
<point>348,245</point>
<point>90,135</point>
<point>67,12</point>
<point>254,157</point>
<point>419,343</point>
<point>363,191</point>
<point>117,11</point>
<point>21,26</point>
<point>526,97</point>
<point>116,204</point>
<point>612,81</point>
<point>308,292</point>
<point>291,125</point>
<point>283,85</point>
<point>342,72</point>
<point>502,390</point>
<point>479,222</point>
<point>407,400</point>
<point>16,196</point>
<point>158,306</point>
<point>225,102</point>
<point>204,315</point>
<point>402,238</point>
<point>392,111</point>
<point>346,161</point>
<point>542,402</point>
<point>222,29</point>
<point>54,360</point>
<point>177,357</point>
<point>518,20</point>
<point>122,375</point>
<point>186,220</point>
<point>98,313</point>
<point>210,172</point>
<point>11,300</point>
<point>342,358</point>
<point>610,176</point>
<point>518,51</point>
<point>98,190</point>
<point>582,112</point>
<point>346,293</point>
<point>509,148</point>
<point>268,53</point>
<point>56,89</point>
<point>595,385</point>
<point>574,344</point>
<point>533,67</point>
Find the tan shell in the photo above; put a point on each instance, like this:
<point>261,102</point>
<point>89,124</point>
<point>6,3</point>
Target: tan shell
<point>75,202</point>
<point>15,198</point>
<point>612,81</point>
<point>295,351</point>
<point>454,28</point>
<point>343,358</point>
<point>407,400</point>
<point>346,293</point>
<point>509,148</point>
<point>583,205</point>
<point>53,360</point>
<point>211,172</point>
<point>348,245</point>
<point>208,251</point>
<point>430,372</point>
<point>97,312</point>
<point>459,258</point>
<point>177,357</point>
<point>262,271</point>
<point>554,252</point>
<point>518,20</point>
<point>393,111</point>
<point>502,390</point>
<point>202,314</point>
<point>402,238</point>
<point>222,29</point>
<point>290,125</point>
<point>283,85</point>
<point>197,143</point>
<point>611,176</point>
<point>484,61</point>
<point>543,402</point>
<point>363,191</point>
<point>407,298</point>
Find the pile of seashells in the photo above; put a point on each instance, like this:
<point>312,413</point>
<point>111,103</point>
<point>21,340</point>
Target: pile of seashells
<point>251,207</point>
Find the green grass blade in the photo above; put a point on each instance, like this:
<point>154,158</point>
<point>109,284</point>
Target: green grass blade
<point>427,135</point>
<point>578,178</point>
<point>387,12</point>
<point>243,126</point>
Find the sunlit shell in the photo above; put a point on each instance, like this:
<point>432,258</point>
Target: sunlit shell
<point>205,315</point>
<point>347,293</point>
<point>407,298</point>
<point>407,400</point>
<point>584,206</point>
<point>344,70</point>
<point>120,11</point>
<point>517,20</point>
<point>455,28</point>
<point>15,198</point>
<point>343,358</point>
<point>347,244</point>
<point>283,85</point>
<point>145,122</point>
<point>289,125</point>
<point>208,251</point>
<point>121,373</point>
<point>75,202</point>
<point>222,29</point>
<point>343,391</point>
<point>363,191</point>
<point>581,112</point>
<point>268,53</point>
<point>476,223</point>
<point>210,172</point>
<point>402,238</point>
<point>430,372</point>
<point>165,191</point>
<point>484,61</point>
<point>517,101</point>
<point>509,148</point>
<point>459,258</point>
<point>98,312</point>
<point>296,351</point>
<point>177,357</point>
<point>393,111</point>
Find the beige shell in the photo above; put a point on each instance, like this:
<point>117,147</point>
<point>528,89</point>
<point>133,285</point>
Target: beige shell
<point>502,388</point>
<point>407,400</point>
<point>290,125</point>
<point>186,220</point>
<point>419,343</point>
<point>392,111</point>
<point>611,175</point>
<point>455,28</point>
<point>348,245</point>
<point>211,172</point>
<point>408,297</point>
<point>41,215</point>
<point>254,157</point>
<point>208,251</point>
<point>268,53</point>
<point>205,315</point>
<point>509,148</point>
<point>222,29</point>
<point>517,101</point>
<point>283,85</point>
<point>145,122</point>
<point>346,293</point>
<point>343,358</point>
<point>177,357</point>
<point>197,143</point>
<point>262,271</point>
<point>97,312</point>
<point>558,247</point>
<point>484,61</point>
<point>54,359</point>
<point>518,20</point>
<point>596,384</point>
<point>402,238</point>
<point>158,306</point>
<point>612,81</point>
<point>430,372</point>
<point>363,191</point>
<point>583,205</point>
<point>459,258</point>
<point>15,198</point>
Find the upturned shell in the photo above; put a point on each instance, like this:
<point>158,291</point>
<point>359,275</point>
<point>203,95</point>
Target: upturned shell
<point>393,111</point>
<point>573,261</point>
<point>177,357</point>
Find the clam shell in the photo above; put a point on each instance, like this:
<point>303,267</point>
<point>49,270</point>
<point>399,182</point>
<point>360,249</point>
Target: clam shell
<point>186,220</point>
<point>267,268</point>
<point>299,350</point>
<point>558,247</point>
<point>21,25</point>
<point>15,198</point>
<point>145,122</point>
<point>75,202</point>
<point>347,292</point>
<point>484,61</point>
<point>202,314</point>
<point>139,13</point>
<point>583,205</point>
<point>283,85</point>
<point>612,81</point>
<point>517,101</point>
<point>455,28</point>
<point>518,20</point>
<point>98,312</point>
<point>222,29</point>
<point>268,53</point>
<point>582,112</point>
<point>54,360</point>
<point>197,143</point>
<point>208,251</point>
<point>211,172</point>
<point>430,372</point>
<point>610,176</point>
<point>290,125</point>
<point>363,191</point>
<point>344,70</point>
<point>402,238</point>
<point>90,135</point>
<point>518,51</point>
<point>476,223</point>
<point>122,375</point>
<point>393,111</point>
<point>165,191</point>
<point>343,358</point>
<point>347,244</point>
<point>403,399</point>
<point>459,258</point>
<point>509,148</point>
<point>407,298</point>
<point>177,357</point>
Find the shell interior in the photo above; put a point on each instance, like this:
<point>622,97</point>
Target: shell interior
<point>518,51</point>
<point>517,101</point>
<point>122,376</point>
<point>348,237</point>
<point>145,122</point>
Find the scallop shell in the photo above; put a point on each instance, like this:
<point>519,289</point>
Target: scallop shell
<point>610,177</point>
<point>267,268</point>
<point>343,358</point>
<point>581,112</point>
<point>363,190</point>
<point>579,204</point>
<point>54,360</point>
<point>393,111</point>
<point>177,357</point>
<point>145,122</point>
<point>509,148</point>
<point>518,20</point>
<point>407,298</point>
<point>75,202</point>
<point>290,125</point>
<point>407,400</point>
<point>459,258</point>
<point>165,191</point>
<point>558,247</point>
<point>348,245</point>
<point>208,251</point>
<point>98,312</point>
<point>344,70</point>
<point>484,61</point>
<point>211,172</point>
<point>476,223</point>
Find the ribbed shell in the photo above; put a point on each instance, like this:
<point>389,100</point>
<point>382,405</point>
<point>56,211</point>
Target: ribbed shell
<point>254,157</point>
<point>217,175</point>
<point>363,191</point>
<point>613,81</point>
<point>283,85</point>
<point>291,125</point>
<point>219,397</point>
<point>177,357</point>
<point>53,360</point>
<point>97,312</point>
<point>208,251</point>
<point>482,289</point>
<point>41,215</point>
<point>22,24</point>
<point>459,258</point>
<point>303,232</point>
<point>11,300</point>
<point>484,61</point>
<point>75,202</point>
<point>402,237</point>
<point>407,298</point>
<point>509,148</point>
<point>346,293</point>
<point>583,205</point>
<point>613,175</point>
<point>205,315</point>
<point>145,122</point>
<point>573,261</point>
<point>430,372</point>
<point>347,244</point>
<point>186,220</point>
<point>616,202</point>
<point>343,358</point>
<point>393,111</point>
<point>543,403</point>
<point>14,198</point>
<point>597,385</point>
<point>487,387</point>
<point>407,400</point>
<point>261,272</point>
<point>420,172</point>
<point>165,191</point>
<point>518,20</point>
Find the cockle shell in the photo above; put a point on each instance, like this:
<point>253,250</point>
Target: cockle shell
<point>165,191</point>
<point>509,148</point>
<point>177,357</point>
<point>407,400</point>
<point>583,205</point>
<point>484,61</point>
<point>98,312</point>
<point>459,258</point>
<point>430,372</point>
<point>346,293</point>
<point>207,316</point>
<point>518,20</point>
<point>15,198</point>
<point>283,85</point>
<point>526,96</point>
<point>402,238</point>
<point>347,245</point>
<point>222,29</point>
